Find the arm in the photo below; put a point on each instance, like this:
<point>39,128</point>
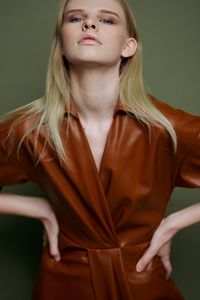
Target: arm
<point>187,174</point>
<point>185,217</point>
<point>34,207</point>
<point>162,238</point>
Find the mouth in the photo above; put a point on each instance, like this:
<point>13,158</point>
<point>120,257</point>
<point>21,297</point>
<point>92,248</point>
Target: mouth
<point>89,39</point>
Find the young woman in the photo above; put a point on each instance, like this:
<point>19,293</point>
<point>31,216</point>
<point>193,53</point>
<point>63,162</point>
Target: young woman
<point>108,155</point>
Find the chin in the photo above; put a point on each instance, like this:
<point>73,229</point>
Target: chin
<point>88,58</point>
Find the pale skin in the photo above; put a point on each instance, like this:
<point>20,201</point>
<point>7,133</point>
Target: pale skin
<point>92,67</point>
<point>33,207</point>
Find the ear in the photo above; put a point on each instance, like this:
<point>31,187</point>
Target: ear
<point>130,47</point>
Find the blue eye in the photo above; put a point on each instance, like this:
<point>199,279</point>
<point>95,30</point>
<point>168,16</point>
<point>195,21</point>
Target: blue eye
<point>72,20</point>
<point>109,21</point>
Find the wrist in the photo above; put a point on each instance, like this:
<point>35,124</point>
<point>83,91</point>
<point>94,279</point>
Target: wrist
<point>46,211</point>
<point>172,223</point>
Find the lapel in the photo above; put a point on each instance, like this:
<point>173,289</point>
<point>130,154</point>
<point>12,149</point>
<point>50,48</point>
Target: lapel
<point>95,182</point>
<point>108,145</point>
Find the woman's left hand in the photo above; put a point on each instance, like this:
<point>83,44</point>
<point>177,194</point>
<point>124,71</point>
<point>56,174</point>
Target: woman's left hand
<point>160,245</point>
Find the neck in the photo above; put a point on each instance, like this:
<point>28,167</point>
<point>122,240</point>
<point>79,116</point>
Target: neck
<point>94,91</point>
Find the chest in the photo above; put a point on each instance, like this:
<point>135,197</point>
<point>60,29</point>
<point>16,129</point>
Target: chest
<point>97,135</point>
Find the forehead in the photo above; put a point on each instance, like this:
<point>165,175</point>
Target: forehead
<point>95,5</point>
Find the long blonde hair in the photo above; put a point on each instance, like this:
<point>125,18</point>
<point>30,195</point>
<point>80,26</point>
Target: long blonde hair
<point>50,108</point>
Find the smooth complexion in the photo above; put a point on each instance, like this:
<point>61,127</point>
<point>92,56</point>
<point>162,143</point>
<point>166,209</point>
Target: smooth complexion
<point>93,65</point>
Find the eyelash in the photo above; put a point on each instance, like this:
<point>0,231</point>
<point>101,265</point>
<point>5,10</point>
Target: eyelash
<point>110,21</point>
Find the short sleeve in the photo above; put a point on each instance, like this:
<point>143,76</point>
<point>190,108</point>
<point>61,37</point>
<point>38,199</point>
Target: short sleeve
<point>11,170</point>
<point>188,174</point>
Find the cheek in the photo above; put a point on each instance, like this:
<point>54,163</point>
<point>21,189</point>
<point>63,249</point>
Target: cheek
<point>116,41</point>
<point>65,36</point>
<point>68,34</point>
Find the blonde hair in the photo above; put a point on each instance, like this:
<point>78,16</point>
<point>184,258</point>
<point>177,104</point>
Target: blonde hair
<point>50,108</point>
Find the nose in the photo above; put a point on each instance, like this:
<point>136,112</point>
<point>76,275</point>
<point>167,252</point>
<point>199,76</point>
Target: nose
<point>89,23</point>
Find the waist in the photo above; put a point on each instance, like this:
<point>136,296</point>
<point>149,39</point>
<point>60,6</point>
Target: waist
<point>71,250</point>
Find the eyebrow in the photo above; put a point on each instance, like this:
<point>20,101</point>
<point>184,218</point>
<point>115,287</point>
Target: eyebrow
<point>101,11</point>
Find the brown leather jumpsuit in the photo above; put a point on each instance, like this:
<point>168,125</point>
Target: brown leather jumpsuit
<point>107,218</point>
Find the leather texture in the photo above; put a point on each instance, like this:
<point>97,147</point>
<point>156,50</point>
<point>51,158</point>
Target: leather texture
<point>107,218</point>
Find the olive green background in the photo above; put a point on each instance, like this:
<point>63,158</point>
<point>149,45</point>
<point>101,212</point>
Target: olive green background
<point>169,31</point>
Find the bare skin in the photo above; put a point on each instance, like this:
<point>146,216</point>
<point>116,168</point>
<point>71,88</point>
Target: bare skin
<point>34,207</point>
<point>162,238</point>
<point>92,66</point>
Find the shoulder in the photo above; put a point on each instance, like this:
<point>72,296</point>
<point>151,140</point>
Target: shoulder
<point>179,118</point>
<point>176,116</point>
<point>13,128</point>
<point>185,124</point>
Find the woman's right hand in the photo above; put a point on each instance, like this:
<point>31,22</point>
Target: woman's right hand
<point>34,207</point>
<point>50,233</point>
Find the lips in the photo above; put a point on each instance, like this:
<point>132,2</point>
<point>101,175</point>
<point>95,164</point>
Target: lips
<point>90,37</point>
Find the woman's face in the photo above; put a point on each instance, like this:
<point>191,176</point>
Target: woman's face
<point>108,27</point>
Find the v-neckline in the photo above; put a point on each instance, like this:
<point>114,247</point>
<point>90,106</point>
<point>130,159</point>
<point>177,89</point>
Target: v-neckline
<point>105,150</point>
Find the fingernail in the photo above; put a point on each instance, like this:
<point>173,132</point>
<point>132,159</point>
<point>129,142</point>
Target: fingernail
<point>57,258</point>
<point>139,268</point>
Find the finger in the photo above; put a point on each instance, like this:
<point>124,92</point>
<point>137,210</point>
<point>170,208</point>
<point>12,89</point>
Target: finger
<point>145,259</point>
<point>168,267</point>
<point>52,231</point>
<point>53,245</point>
